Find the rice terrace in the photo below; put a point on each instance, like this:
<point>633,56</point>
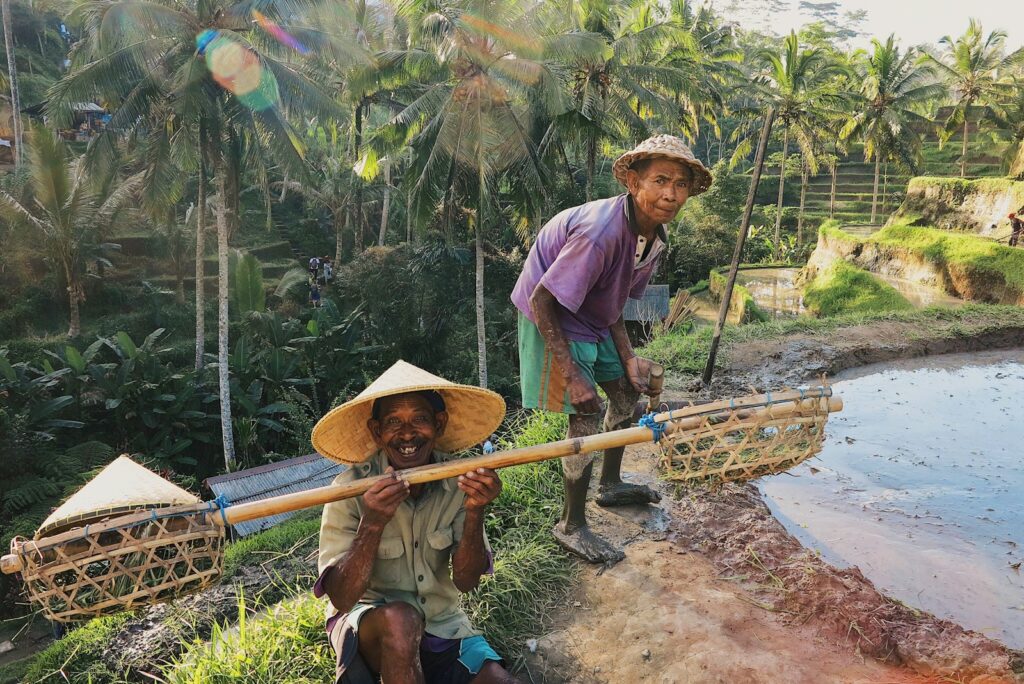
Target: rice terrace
<point>499,341</point>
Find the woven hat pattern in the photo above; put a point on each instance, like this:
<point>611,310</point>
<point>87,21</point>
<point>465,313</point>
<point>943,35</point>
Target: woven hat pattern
<point>474,414</point>
<point>665,147</point>
<point>122,486</point>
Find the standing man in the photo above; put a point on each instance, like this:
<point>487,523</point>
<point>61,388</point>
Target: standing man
<point>1017,226</point>
<point>586,262</point>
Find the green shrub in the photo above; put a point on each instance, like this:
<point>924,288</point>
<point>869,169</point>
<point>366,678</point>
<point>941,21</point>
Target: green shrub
<point>843,288</point>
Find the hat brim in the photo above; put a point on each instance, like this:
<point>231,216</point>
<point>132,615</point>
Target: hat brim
<point>474,414</point>
<point>702,178</point>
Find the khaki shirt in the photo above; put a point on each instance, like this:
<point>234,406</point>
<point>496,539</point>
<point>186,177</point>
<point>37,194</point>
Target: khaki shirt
<point>414,556</point>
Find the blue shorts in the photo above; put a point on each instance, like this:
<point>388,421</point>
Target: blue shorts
<point>444,661</point>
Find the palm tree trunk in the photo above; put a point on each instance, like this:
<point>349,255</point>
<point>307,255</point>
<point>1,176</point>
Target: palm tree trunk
<point>12,72</point>
<point>223,375</point>
<point>885,185</point>
<point>782,190</point>
<point>481,330</point>
<point>408,216</point>
<point>963,152</point>
<point>874,191</point>
<point>200,253</point>
<point>385,204</point>
<point>74,297</point>
<point>339,219</point>
<point>358,204</point>
<point>804,173</point>
<point>832,192</point>
<point>591,165</point>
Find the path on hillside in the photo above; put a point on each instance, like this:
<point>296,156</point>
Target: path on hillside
<point>667,614</point>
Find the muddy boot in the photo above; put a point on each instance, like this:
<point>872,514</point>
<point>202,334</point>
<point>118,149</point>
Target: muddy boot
<point>625,494</point>
<point>587,545</point>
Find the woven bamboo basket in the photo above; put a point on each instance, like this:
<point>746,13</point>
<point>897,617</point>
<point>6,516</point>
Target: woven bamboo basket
<point>94,560</point>
<point>124,562</point>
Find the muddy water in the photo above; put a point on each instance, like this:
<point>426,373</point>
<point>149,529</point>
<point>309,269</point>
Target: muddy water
<point>774,290</point>
<point>921,485</point>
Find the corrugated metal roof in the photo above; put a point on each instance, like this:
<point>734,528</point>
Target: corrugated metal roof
<point>283,477</point>
<point>653,307</point>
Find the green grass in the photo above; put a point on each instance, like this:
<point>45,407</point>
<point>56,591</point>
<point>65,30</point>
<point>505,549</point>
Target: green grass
<point>78,656</point>
<point>285,645</point>
<point>302,530</point>
<point>844,288</point>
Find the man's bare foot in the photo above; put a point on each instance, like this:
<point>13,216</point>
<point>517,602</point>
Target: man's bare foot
<point>587,545</point>
<point>625,494</point>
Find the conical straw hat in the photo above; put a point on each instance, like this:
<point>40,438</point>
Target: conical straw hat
<point>473,414</point>
<point>121,487</point>
<point>665,147</point>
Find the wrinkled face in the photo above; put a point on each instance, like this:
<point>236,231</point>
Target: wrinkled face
<point>407,429</point>
<point>659,188</point>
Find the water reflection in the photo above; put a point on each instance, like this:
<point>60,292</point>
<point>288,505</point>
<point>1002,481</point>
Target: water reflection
<point>919,485</point>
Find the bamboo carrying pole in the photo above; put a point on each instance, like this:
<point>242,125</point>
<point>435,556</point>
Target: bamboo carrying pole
<point>775,405</point>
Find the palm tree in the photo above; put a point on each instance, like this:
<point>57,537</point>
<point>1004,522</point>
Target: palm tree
<point>799,86</point>
<point>622,76</point>
<point>143,59</point>
<point>69,210</point>
<point>972,66</point>
<point>1008,117</point>
<point>466,123</point>
<point>896,88</point>
<point>12,80</point>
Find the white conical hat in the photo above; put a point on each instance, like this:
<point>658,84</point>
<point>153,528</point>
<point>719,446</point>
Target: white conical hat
<point>474,414</point>
<point>121,487</point>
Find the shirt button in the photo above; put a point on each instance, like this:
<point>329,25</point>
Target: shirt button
<point>415,545</point>
<point>420,578</point>
<point>422,600</point>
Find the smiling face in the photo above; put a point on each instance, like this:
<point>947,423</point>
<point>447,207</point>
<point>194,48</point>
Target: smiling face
<point>407,427</point>
<point>660,188</point>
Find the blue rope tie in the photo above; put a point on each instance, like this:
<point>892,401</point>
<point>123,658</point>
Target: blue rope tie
<point>657,429</point>
<point>222,503</point>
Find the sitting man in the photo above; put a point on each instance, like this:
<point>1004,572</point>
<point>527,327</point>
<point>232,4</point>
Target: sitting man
<point>393,561</point>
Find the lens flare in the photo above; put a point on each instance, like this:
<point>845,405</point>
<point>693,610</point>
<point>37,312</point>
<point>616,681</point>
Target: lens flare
<point>278,33</point>
<point>238,70</point>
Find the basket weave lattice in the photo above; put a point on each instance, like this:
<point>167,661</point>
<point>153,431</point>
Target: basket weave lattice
<point>743,446</point>
<point>137,560</point>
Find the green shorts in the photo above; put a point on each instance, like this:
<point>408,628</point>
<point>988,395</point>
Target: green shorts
<point>542,382</point>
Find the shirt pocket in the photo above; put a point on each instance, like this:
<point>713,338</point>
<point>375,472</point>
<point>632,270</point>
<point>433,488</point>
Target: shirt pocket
<point>440,543</point>
<point>387,569</point>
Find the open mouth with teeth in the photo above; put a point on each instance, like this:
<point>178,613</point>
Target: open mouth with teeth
<point>407,452</point>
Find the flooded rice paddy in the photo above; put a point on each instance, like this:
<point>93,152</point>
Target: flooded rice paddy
<point>776,293</point>
<point>921,486</point>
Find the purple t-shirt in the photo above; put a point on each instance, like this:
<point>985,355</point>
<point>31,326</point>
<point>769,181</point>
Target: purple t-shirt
<point>585,257</point>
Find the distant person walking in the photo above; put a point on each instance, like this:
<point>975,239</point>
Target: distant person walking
<point>314,294</point>
<point>328,269</point>
<point>1018,227</point>
<point>314,267</point>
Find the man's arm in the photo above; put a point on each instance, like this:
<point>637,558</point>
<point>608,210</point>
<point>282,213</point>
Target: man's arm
<point>582,394</point>
<point>470,559</point>
<point>346,581</point>
<point>637,369</point>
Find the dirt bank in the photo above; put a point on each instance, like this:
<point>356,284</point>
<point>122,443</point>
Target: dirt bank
<point>798,358</point>
<point>966,280</point>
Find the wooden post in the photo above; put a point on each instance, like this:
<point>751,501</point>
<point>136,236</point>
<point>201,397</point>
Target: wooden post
<point>723,311</point>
